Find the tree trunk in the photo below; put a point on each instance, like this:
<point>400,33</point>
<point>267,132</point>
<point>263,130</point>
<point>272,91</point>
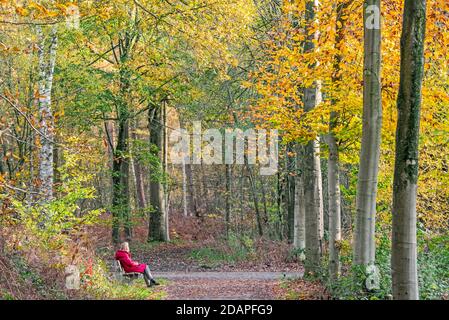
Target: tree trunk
<point>364,235</point>
<point>47,61</point>
<point>157,221</point>
<point>312,189</point>
<point>228,198</point>
<point>184,188</point>
<point>319,177</point>
<point>121,167</point>
<point>333,164</point>
<point>403,255</point>
<point>137,172</point>
<point>120,183</point>
<point>290,194</point>
<point>299,232</point>
<point>191,192</point>
<point>334,207</point>
<point>255,198</point>
<point>264,201</point>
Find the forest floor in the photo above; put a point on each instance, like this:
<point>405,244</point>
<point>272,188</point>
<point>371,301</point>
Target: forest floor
<point>187,277</point>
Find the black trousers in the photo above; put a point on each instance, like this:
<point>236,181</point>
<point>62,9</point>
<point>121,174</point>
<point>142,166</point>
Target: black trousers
<point>147,275</point>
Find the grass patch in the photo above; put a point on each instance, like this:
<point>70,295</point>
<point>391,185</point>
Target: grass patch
<point>433,271</point>
<point>101,286</point>
<point>234,250</point>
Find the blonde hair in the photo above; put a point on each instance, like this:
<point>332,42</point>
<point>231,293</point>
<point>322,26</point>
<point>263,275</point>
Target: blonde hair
<point>124,246</point>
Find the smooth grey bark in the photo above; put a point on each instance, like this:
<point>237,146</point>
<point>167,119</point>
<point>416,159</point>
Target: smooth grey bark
<point>404,252</point>
<point>333,162</point>
<point>123,54</point>
<point>121,162</point>
<point>191,192</point>
<point>255,197</point>
<point>184,188</point>
<point>319,177</point>
<point>157,230</point>
<point>299,241</point>
<point>290,191</point>
<point>334,209</point>
<point>140,188</point>
<point>264,201</point>
<point>312,165</point>
<point>120,183</point>
<point>364,234</point>
<point>136,169</point>
<point>228,179</point>
<point>166,231</point>
<point>47,61</point>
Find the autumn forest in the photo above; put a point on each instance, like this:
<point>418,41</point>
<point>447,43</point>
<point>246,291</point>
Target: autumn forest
<point>244,149</point>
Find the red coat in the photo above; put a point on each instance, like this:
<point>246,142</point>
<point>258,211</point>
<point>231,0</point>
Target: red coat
<point>127,264</point>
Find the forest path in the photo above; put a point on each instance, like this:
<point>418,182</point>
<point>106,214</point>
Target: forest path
<point>224,285</point>
<point>190,276</point>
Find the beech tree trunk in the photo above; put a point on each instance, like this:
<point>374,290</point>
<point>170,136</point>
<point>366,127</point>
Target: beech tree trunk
<point>47,61</point>
<point>333,163</point>
<point>157,230</point>
<point>334,207</point>
<point>319,177</point>
<point>300,210</point>
<point>137,172</point>
<point>120,183</point>
<point>228,174</point>
<point>191,192</point>
<point>364,234</point>
<point>312,165</point>
<point>121,156</point>
<point>290,192</point>
<point>184,188</point>
<point>403,254</point>
<point>255,197</point>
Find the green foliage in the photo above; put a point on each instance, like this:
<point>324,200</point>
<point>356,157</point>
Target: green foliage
<point>433,267</point>
<point>6,296</point>
<point>100,285</point>
<point>62,214</point>
<point>433,270</point>
<point>147,154</point>
<point>296,254</point>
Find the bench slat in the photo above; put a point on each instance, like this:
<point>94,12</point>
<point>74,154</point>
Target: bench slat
<point>126,274</point>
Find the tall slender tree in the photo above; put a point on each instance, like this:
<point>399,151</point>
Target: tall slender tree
<point>333,163</point>
<point>299,241</point>
<point>403,254</point>
<point>47,61</point>
<point>312,167</point>
<point>364,234</point>
<point>158,221</point>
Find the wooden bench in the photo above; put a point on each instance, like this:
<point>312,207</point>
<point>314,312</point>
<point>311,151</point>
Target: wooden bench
<point>125,276</point>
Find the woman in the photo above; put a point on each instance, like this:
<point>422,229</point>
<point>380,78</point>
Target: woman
<point>124,257</point>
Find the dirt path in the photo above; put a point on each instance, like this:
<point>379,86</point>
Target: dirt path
<point>187,278</point>
<point>224,285</point>
<point>177,258</point>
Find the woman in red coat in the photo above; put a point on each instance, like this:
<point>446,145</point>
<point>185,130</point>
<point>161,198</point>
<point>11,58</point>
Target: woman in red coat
<point>124,257</point>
